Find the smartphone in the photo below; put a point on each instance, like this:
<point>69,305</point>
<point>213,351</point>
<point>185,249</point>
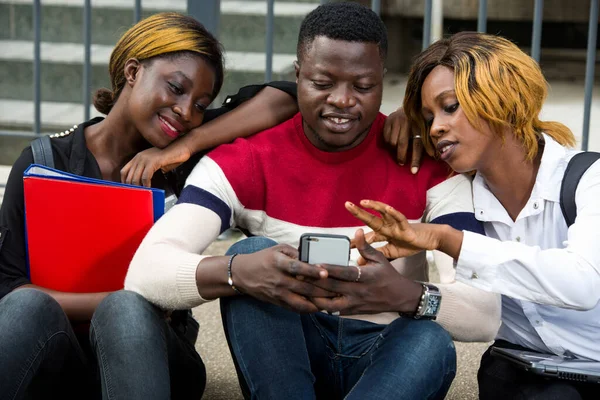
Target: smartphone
<point>321,248</point>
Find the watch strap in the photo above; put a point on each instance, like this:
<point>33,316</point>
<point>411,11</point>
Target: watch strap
<point>429,303</point>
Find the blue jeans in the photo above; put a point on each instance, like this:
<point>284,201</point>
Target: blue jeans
<point>280,354</point>
<point>40,355</point>
<point>141,355</point>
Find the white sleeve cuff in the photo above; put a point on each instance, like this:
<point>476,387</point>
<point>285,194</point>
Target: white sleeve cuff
<point>471,267</point>
<point>186,282</point>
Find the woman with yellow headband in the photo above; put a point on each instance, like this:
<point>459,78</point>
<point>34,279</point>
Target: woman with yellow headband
<point>475,100</point>
<point>165,71</point>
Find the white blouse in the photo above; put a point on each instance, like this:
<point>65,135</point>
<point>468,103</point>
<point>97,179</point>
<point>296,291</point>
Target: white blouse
<point>548,274</point>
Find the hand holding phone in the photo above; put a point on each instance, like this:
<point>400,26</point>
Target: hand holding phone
<point>321,248</point>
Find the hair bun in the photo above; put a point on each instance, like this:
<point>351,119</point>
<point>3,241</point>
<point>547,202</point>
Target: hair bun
<point>104,100</point>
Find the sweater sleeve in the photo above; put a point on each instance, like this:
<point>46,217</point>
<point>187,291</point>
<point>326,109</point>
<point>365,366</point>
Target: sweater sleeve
<point>469,314</point>
<point>163,269</point>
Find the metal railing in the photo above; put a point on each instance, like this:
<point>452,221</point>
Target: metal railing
<point>589,72</point>
<point>208,12</point>
<point>87,62</point>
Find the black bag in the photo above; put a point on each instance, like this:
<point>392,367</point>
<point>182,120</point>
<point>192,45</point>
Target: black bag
<point>42,151</point>
<point>575,170</point>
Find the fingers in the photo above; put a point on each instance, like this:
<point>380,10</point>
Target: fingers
<point>387,128</point>
<point>131,173</point>
<point>130,179</point>
<point>345,273</point>
<point>389,214</point>
<point>369,219</point>
<point>288,250</point>
<point>366,250</point>
<point>294,294</point>
<point>398,217</point>
<point>286,260</point>
<point>394,133</point>
<point>382,226</point>
<point>170,167</point>
<point>397,134</point>
<point>307,289</point>
<point>136,176</point>
<point>297,303</point>
<point>333,304</point>
<point>337,285</point>
<point>374,237</point>
<point>401,147</point>
<point>404,136</point>
<point>125,171</point>
<point>371,237</point>
<point>146,175</point>
<point>417,155</point>
<point>389,252</point>
<point>374,205</point>
<point>390,128</point>
<point>296,267</point>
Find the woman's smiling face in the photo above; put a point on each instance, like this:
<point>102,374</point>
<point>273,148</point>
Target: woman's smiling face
<point>169,96</point>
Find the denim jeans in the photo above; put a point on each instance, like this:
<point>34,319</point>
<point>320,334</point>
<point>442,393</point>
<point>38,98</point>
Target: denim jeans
<point>500,379</point>
<point>141,355</point>
<point>280,354</point>
<point>40,355</point>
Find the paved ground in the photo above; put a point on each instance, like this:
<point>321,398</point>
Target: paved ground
<point>565,104</point>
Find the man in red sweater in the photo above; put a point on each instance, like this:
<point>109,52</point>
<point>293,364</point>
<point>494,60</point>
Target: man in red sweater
<point>293,179</point>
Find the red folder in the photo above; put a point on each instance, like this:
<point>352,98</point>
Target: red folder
<point>82,233</point>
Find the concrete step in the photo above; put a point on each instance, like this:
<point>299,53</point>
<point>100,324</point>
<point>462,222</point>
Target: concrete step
<point>17,115</point>
<point>242,25</point>
<point>4,171</point>
<point>62,70</point>
<point>55,116</point>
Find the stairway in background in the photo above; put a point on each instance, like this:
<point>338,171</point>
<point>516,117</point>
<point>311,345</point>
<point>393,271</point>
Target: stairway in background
<point>242,32</point>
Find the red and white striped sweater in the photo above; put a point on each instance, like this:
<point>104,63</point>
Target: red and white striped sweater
<point>278,185</point>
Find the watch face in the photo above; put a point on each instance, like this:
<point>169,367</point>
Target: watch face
<point>433,305</point>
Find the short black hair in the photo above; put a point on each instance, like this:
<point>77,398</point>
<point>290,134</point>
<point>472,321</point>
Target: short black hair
<point>351,22</point>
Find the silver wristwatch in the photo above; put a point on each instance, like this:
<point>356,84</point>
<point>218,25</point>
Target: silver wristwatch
<point>429,303</point>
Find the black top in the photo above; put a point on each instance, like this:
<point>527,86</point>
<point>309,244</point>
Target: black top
<point>72,155</point>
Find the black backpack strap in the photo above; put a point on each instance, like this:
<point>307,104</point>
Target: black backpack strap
<point>42,151</point>
<point>575,170</point>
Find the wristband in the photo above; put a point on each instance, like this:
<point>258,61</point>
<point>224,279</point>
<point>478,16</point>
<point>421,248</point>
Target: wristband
<point>230,276</point>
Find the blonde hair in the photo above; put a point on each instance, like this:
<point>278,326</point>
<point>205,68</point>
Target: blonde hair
<point>161,34</point>
<point>495,81</point>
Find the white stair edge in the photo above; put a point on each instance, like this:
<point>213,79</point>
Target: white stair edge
<point>20,112</point>
<point>280,9</point>
<point>227,6</point>
<point>4,171</point>
<point>73,53</point>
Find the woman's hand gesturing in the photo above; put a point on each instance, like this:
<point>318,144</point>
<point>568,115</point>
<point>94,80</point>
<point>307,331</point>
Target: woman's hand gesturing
<point>404,238</point>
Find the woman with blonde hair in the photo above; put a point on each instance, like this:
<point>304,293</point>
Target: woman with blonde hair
<point>165,71</point>
<point>475,100</point>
